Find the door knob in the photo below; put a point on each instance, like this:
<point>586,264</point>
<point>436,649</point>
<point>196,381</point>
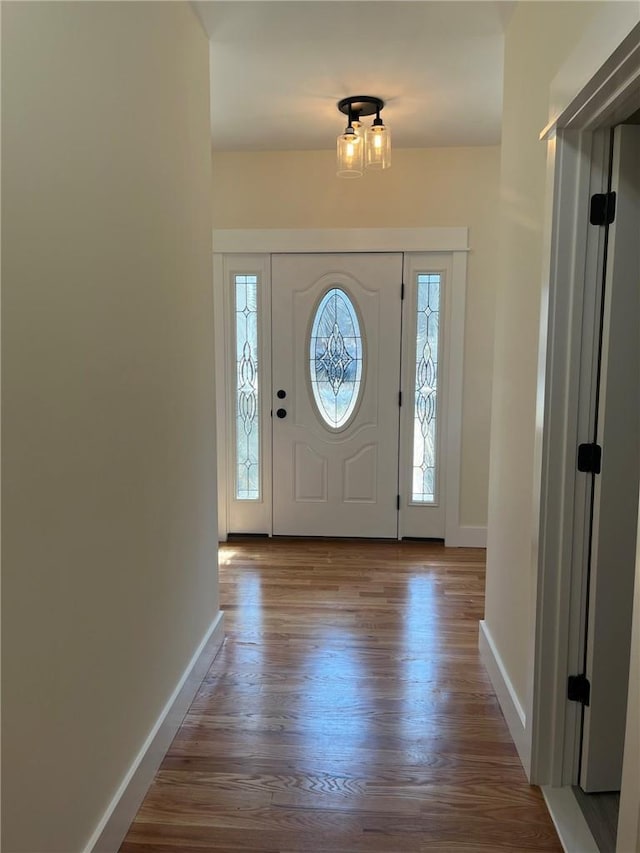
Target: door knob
<point>281,413</point>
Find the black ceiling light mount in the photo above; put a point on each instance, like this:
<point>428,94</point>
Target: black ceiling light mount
<point>360,105</point>
<point>357,150</point>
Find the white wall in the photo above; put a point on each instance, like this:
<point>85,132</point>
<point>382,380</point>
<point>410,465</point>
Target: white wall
<point>539,38</point>
<point>424,187</point>
<point>110,573</point>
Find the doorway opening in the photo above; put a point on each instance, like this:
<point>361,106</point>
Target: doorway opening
<point>611,463</point>
<point>588,565</point>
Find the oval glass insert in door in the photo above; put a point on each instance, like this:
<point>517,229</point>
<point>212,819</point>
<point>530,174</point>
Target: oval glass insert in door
<point>336,358</point>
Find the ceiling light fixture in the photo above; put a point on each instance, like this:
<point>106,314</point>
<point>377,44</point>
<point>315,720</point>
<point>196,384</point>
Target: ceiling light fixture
<point>355,151</point>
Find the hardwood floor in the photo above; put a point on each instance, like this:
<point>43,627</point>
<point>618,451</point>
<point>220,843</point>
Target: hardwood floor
<point>347,711</point>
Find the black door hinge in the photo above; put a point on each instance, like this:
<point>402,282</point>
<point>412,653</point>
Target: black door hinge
<point>402,290</point>
<point>399,398</point>
<point>590,458</point>
<point>397,501</point>
<point>602,210</point>
<point>578,689</point>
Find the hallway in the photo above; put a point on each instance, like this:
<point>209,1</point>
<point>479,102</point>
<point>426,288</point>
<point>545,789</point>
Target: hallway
<point>347,711</point>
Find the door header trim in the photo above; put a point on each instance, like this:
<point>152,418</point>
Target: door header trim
<point>290,241</point>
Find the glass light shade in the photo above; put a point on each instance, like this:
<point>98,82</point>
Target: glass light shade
<point>350,154</point>
<point>378,147</point>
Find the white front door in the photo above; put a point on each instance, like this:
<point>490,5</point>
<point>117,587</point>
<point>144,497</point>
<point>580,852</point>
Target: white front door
<point>336,322</point>
<point>330,418</point>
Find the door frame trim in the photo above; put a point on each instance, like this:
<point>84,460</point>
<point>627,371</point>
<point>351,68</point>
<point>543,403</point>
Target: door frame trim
<point>563,414</point>
<point>265,242</point>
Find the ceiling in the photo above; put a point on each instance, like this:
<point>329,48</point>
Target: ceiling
<point>278,69</point>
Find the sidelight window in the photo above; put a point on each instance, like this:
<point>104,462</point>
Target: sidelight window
<point>247,419</point>
<point>425,419</point>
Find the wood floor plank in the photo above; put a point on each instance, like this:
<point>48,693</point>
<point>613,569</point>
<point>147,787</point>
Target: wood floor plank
<point>347,711</point>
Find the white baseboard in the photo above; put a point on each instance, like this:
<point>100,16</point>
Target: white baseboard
<point>571,826</point>
<point>510,704</point>
<point>122,809</point>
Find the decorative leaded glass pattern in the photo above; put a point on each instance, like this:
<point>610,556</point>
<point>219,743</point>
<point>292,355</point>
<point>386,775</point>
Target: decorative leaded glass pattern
<point>247,411</point>
<point>335,358</point>
<point>426,388</point>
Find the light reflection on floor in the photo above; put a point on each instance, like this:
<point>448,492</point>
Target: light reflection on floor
<point>338,678</point>
<point>225,555</point>
<point>419,666</point>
